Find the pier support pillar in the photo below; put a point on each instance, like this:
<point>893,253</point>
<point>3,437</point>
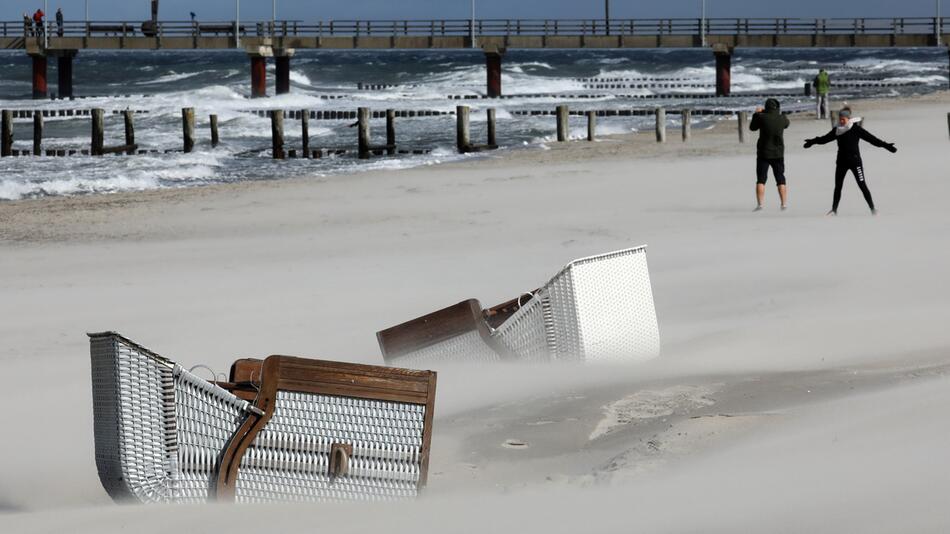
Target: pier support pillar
<point>64,71</point>
<point>282,70</point>
<point>258,56</point>
<point>40,89</point>
<point>723,69</point>
<point>493,66</point>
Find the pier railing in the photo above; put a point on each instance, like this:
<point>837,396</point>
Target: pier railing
<point>489,27</point>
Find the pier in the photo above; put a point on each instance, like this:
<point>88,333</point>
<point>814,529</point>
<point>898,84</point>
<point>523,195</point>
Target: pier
<point>280,39</point>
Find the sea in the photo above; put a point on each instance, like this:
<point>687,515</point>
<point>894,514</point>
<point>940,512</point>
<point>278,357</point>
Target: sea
<point>156,85</point>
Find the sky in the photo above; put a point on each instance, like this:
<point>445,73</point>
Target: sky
<point>312,10</point>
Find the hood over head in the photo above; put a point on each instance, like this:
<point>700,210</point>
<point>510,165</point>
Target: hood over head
<point>772,105</point>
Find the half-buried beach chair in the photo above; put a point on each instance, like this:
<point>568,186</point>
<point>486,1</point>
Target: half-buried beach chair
<point>281,429</point>
<point>598,308</point>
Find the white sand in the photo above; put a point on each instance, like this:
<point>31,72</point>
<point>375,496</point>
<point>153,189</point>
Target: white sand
<point>804,357</point>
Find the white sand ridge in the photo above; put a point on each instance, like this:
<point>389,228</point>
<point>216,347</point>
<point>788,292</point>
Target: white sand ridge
<point>650,404</point>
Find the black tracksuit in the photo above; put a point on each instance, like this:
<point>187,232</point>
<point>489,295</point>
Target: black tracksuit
<point>849,158</point>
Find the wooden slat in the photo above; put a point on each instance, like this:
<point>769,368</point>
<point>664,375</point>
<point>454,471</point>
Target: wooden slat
<point>430,329</point>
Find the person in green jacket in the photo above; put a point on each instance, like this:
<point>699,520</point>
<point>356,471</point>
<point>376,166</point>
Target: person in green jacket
<point>770,150</point>
<point>822,84</point>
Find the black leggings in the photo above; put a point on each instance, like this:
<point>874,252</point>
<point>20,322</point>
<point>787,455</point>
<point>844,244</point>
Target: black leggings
<point>858,170</point>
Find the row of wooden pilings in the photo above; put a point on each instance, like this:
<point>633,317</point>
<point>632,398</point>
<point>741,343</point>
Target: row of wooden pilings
<point>563,114</point>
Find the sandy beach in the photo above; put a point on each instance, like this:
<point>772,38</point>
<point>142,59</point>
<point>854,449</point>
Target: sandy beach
<point>802,383</point>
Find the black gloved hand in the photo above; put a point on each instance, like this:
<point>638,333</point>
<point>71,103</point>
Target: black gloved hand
<point>890,147</point>
<point>809,143</point>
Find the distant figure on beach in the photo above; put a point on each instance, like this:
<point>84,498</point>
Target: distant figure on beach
<point>38,21</point>
<point>59,22</point>
<point>193,17</point>
<point>849,134</point>
<point>822,84</point>
<point>27,25</point>
<point>770,150</point>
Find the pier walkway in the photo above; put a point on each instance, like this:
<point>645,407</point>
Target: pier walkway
<point>279,39</point>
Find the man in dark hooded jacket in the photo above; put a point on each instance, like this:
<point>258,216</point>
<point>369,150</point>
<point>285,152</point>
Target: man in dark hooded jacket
<point>771,125</point>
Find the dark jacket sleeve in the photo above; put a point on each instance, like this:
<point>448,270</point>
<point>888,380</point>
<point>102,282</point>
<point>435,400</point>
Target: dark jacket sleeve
<point>786,121</point>
<point>756,122</point>
<point>866,135</point>
<point>824,139</point>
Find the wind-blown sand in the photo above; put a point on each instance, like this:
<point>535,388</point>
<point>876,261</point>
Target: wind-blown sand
<point>802,386</point>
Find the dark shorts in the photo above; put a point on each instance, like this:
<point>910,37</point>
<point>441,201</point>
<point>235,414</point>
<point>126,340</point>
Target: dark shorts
<point>762,170</point>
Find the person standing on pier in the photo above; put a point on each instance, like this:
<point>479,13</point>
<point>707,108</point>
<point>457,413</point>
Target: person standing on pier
<point>849,134</point>
<point>822,84</point>
<point>38,22</point>
<point>770,150</point>
<point>59,22</point>
<point>27,25</point>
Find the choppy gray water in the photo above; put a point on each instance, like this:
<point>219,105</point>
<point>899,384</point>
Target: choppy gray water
<point>161,83</point>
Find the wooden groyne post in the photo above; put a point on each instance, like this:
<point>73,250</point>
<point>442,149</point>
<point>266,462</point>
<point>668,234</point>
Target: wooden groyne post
<point>188,128</point>
<point>591,125</point>
<point>6,133</point>
<point>214,131</point>
<point>492,138</point>
<point>37,133</point>
<point>743,120</point>
<point>277,133</point>
<point>660,125</point>
<point>687,126</point>
<point>98,125</point>
<point>129,131</point>
<point>462,139</point>
<point>562,114</point>
<point>362,120</point>
<point>305,132</point>
<point>391,132</point>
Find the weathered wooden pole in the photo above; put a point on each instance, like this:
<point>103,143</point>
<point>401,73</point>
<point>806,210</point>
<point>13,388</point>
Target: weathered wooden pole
<point>362,119</point>
<point>660,114</point>
<point>277,133</point>
<point>743,121</point>
<point>687,126</point>
<point>98,125</point>
<point>305,132</point>
<point>37,133</point>
<point>492,133</point>
<point>188,128</point>
<point>214,131</point>
<point>462,139</point>
<point>391,132</point>
<point>591,125</point>
<point>129,131</point>
<point>6,133</point>
<point>562,112</point>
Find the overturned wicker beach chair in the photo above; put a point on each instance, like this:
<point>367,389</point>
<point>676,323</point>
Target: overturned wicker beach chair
<point>281,429</point>
<point>598,308</point>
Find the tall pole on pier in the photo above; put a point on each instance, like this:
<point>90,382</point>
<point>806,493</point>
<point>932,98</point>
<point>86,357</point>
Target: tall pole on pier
<point>45,25</point>
<point>702,24</point>
<point>472,29</point>
<point>938,24</point>
<point>237,23</point>
<point>87,12</point>
<point>607,15</point>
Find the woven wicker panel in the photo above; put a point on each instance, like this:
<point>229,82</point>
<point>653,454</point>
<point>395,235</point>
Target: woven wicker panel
<point>289,459</point>
<point>129,395</point>
<point>524,333</point>
<point>468,347</point>
<point>616,317</point>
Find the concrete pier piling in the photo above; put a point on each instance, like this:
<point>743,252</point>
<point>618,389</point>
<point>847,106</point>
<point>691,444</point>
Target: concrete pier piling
<point>660,115</point>
<point>362,120</point>
<point>305,132</point>
<point>37,133</point>
<point>6,133</point>
<point>98,134</point>
<point>188,129</point>
<point>562,123</point>
<point>462,139</point>
<point>492,134</point>
<point>258,57</point>
<point>129,131</point>
<point>493,68</point>
<point>40,89</point>
<point>214,130</point>
<point>723,55</point>
<point>591,125</point>
<point>391,132</point>
<point>282,69</point>
<point>687,126</point>
<point>277,133</point>
<point>64,72</point>
<point>743,125</point>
